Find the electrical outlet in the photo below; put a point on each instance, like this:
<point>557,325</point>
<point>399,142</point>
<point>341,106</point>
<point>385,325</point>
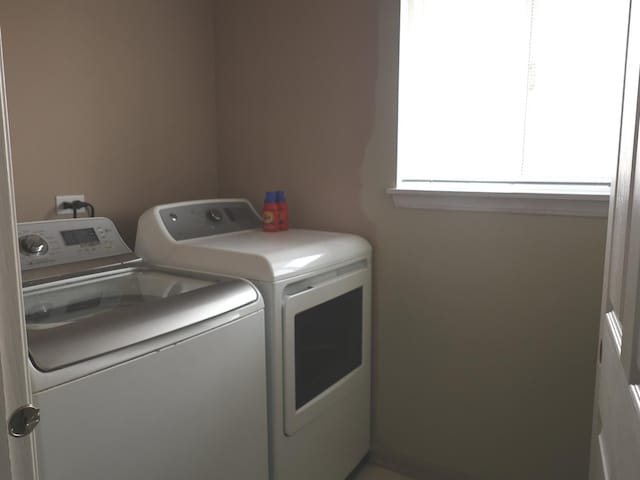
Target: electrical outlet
<point>60,199</point>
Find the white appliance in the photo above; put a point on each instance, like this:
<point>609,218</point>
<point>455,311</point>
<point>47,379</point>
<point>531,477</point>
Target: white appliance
<point>317,292</point>
<point>139,372</point>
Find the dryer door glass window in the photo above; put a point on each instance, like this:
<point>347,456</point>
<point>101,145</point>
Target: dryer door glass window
<point>328,344</point>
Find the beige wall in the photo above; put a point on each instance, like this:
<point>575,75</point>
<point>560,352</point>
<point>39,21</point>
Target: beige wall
<point>485,324</point>
<point>112,99</point>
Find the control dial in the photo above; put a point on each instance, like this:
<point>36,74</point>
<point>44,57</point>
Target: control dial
<point>215,215</point>
<point>33,245</point>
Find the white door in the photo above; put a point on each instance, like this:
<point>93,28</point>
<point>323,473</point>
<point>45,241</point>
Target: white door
<point>16,454</point>
<point>615,446</point>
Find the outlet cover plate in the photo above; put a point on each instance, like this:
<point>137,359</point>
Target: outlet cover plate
<point>60,199</point>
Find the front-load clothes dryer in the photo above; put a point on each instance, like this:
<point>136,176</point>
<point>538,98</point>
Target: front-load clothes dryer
<point>317,292</point>
<point>140,372</point>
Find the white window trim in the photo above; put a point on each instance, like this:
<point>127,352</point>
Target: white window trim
<point>544,199</point>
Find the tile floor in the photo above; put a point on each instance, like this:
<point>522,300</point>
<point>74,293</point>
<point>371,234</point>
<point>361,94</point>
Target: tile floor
<point>373,472</point>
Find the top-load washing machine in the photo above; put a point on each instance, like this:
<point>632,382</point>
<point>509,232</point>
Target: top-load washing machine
<point>139,372</point>
<point>317,292</point>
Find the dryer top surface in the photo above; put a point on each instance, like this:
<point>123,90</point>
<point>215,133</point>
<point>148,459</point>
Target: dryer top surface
<point>249,253</point>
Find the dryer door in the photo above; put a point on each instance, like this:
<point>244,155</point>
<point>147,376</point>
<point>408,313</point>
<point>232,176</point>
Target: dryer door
<point>326,345</point>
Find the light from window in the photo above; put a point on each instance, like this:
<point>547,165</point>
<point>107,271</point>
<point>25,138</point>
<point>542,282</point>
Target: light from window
<point>522,91</point>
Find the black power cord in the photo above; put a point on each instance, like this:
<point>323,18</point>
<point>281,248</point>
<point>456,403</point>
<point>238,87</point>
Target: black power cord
<point>77,205</point>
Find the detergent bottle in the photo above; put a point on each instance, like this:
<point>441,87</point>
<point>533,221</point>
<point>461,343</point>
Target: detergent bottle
<point>270,218</point>
<point>283,211</point>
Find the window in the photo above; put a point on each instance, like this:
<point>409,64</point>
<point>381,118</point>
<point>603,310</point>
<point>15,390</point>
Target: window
<point>511,96</point>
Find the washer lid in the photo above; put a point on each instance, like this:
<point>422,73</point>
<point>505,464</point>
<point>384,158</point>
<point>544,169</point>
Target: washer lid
<point>76,319</point>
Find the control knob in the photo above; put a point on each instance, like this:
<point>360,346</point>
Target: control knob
<point>215,215</point>
<point>33,245</point>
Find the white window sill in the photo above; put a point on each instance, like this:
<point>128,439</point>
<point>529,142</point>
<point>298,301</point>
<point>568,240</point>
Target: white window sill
<point>545,199</point>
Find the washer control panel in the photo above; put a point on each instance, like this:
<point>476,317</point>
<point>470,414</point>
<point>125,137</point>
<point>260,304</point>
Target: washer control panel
<point>202,219</point>
<point>56,242</point>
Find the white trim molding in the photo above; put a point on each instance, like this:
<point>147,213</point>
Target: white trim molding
<point>15,387</point>
<point>544,199</point>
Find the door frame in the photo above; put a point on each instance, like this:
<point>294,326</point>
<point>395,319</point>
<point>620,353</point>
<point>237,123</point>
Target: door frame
<point>17,455</point>
<point>615,436</point>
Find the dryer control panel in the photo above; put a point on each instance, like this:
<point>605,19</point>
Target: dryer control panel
<point>188,220</point>
<point>56,242</point>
